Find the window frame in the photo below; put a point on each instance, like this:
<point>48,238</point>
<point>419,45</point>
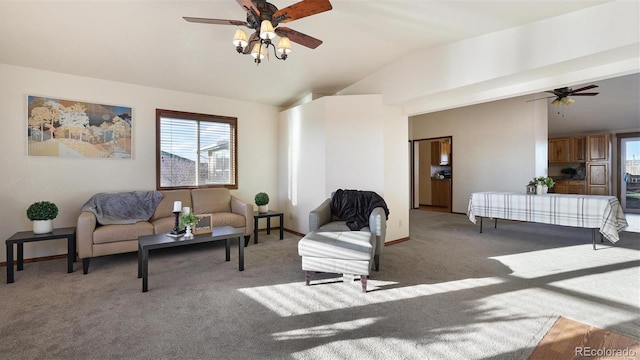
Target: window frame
<point>233,121</point>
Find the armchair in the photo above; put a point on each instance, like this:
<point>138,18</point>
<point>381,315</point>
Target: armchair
<point>322,219</point>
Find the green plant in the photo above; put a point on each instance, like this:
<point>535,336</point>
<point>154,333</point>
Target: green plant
<point>188,219</point>
<point>544,180</point>
<point>262,199</point>
<point>42,210</point>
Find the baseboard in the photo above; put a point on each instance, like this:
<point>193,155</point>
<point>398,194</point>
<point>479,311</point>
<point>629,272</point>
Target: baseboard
<point>32,260</point>
<point>397,241</point>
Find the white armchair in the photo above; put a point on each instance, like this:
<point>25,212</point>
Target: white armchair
<point>321,219</point>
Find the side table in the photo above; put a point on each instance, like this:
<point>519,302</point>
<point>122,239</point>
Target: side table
<point>22,237</point>
<point>269,214</point>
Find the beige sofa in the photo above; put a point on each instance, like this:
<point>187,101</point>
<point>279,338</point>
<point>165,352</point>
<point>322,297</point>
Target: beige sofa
<point>93,239</point>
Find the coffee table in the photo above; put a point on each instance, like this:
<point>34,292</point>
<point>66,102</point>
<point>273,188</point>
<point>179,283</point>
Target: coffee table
<point>159,241</point>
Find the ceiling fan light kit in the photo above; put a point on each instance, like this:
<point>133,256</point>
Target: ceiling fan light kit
<point>264,18</point>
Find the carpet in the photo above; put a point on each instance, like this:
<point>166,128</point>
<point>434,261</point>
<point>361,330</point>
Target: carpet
<point>448,293</point>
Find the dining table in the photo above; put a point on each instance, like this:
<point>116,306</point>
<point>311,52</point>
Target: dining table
<point>597,212</point>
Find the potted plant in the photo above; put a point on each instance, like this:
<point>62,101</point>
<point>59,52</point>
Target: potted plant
<point>42,214</point>
<point>262,200</point>
<point>568,172</point>
<point>188,220</point>
<point>543,183</point>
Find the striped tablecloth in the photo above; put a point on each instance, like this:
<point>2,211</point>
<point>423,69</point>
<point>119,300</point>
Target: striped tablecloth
<point>587,211</point>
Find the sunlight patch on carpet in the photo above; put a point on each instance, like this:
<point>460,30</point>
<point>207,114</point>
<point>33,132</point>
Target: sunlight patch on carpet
<point>325,330</point>
<point>297,299</point>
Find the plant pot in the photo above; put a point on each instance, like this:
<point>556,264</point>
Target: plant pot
<point>42,226</point>
<point>263,208</point>
<point>188,233</point>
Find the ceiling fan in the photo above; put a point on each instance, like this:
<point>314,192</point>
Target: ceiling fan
<point>265,18</point>
<point>562,94</point>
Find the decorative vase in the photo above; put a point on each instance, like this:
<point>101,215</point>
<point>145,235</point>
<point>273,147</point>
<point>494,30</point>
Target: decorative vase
<point>263,208</point>
<point>42,226</point>
<point>539,189</point>
<point>188,233</point>
<point>545,189</point>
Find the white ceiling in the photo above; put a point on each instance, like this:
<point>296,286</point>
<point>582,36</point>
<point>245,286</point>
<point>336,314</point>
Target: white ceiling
<point>147,42</point>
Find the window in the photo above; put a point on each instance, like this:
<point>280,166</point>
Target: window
<point>195,150</point>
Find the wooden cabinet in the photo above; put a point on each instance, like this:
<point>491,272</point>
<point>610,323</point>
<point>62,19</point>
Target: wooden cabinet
<point>570,187</point>
<point>598,178</point>
<point>560,150</point>
<point>598,147</point>
<point>579,149</point>
<point>441,192</point>
<point>440,153</point>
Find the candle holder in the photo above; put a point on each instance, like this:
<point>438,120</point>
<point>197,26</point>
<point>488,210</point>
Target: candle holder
<point>176,227</point>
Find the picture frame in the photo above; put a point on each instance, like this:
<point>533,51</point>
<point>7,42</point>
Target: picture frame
<point>78,129</point>
<point>204,225</point>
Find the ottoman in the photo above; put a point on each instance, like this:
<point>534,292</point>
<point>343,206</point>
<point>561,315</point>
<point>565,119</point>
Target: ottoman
<point>341,252</point>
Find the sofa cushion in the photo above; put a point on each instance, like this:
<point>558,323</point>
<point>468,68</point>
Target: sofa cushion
<point>335,226</point>
<point>114,233</point>
<point>228,219</point>
<point>165,208</point>
<point>211,201</point>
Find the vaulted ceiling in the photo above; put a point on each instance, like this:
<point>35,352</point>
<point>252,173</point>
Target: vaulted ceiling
<point>148,43</point>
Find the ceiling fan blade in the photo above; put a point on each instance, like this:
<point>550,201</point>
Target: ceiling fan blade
<point>252,40</point>
<point>584,88</point>
<point>300,10</point>
<point>216,21</point>
<point>585,94</point>
<point>298,37</point>
<point>248,4</point>
<point>542,98</point>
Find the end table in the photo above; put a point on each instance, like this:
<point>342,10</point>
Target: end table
<point>269,214</point>
<point>22,237</point>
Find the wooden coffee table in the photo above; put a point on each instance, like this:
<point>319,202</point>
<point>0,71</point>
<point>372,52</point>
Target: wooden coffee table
<point>159,241</point>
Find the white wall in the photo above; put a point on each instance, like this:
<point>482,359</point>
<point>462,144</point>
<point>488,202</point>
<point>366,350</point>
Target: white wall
<point>69,182</point>
<point>595,43</point>
<point>498,146</point>
<point>347,142</point>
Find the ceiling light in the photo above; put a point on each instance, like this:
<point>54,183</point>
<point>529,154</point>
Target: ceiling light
<point>284,45</point>
<point>240,40</point>
<point>562,101</point>
<point>260,43</point>
<point>266,30</point>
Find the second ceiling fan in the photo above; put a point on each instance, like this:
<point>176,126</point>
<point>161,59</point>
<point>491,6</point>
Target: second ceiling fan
<point>265,18</point>
<point>562,94</point>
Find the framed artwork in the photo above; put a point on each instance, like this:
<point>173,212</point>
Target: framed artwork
<point>69,128</point>
<point>203,226</point>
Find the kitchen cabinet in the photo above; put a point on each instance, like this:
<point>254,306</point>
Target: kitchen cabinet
<point>570,187</point>
<point>559,150</point>
<point>598,147</point>
<point>598,178</point>
<point>441,192</point>
<point>440,153</point>
<point>579,149</point>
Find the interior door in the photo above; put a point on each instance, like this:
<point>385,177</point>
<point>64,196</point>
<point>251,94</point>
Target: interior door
<point>629,150</point>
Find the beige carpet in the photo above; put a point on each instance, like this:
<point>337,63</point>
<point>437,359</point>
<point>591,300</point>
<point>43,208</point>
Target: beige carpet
<point>448,293</point>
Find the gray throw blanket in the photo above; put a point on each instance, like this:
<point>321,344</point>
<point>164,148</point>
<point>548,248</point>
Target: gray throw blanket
<point>123,207</point>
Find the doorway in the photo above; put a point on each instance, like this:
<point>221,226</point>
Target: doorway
<point>629,172</point>
<point>432,177</point>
